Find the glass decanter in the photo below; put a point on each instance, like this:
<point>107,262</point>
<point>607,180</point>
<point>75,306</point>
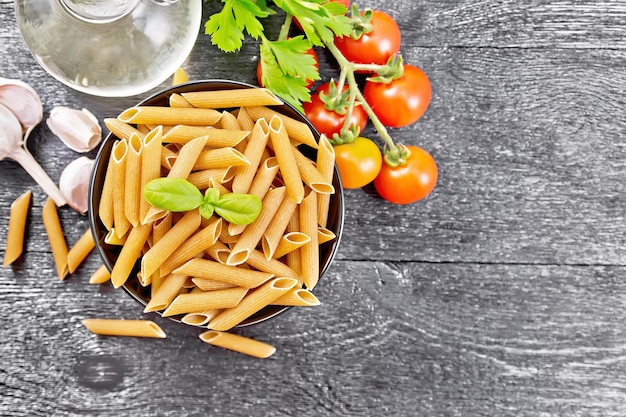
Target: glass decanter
<point>110,48</point>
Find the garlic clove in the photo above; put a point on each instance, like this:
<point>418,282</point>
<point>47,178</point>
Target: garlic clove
<point>23,101</point>
<point>79,130</point>
<point>10,132</point>
<point>74,183</point>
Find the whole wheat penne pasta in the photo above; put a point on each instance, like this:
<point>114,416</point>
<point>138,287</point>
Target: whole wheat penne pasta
<point>253,153</point>
<point>132,181</point>
<point>219,251</point>
<point>169,289</point>
<point>176,100</point>
<point>252,302</point>
<point>273,266</point>
<point>56,237</point>
<point>214,183</point>
<point>323,234</point>
<point>80,250</point>
<point>293,258</point>
<point>100,275</point>
<point>122,130</point>
<point>150,164</point>
<point>310,251</point>
<point>276,229</point>
<point>196,244</point>
<point>119,152</point>
<point>144,129</point>
<point>168,156</point>
<point>311,175</point>
<point>205,300</point>
<point>289,242</point>
<point>286,159</point>
<point>238,343</point>
<point>129,254</point>
<point>325,163</point>
<point>205,268</point>
<point>244,119</point>
<point>173,239</point>
<point>200,318</point>
<point>206,284</point>
<point>111,238</point>
<point>159,229</point>
<point>116,327</point>
<point>219,99</point>
<point>220,158</point>
<point>187,157</point>
<point>298,131</point>
<point>170,116</point>
<point>17,226</point>
<point>105,207</point>
<point>216,138</point>
<point>201,178</point>
<point>254,231</point>
<point>297,297</point>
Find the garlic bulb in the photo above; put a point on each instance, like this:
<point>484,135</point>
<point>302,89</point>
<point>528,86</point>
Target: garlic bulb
<point>23,101</point>
<point>74,183</point>
<point>79,130</point>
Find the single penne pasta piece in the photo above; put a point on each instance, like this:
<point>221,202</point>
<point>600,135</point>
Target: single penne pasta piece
<point>253,153</point>
<point>196,244</point>
<point>253,233</point>
<point>210,284</point>
<point>200,318</point>
<point>309,252</point>
<point>205,268</point>
<point>297,297</point>
<point>311,176</point>
<point>326,165</point>
<point>220,158</point>
<point>217,99</point>
<point>217,138</point>
<point>122,130</point>
<point>324,235</point>
<point>119,152</point>
<point>100,276</point>
<point>17,227</point>
<point>159,229</point>
<point>170,116</point>
<point>293,258</point>
<point>286,159</point>
<point>169,289</point>
<point>173,239</point>
<point>194,302</point>
<point>105,207</point>
<point>168,157</point>
<point>56,237</point>
<point>111,238</point>
<point>116,327</point>
<point>131,251</point>
<point>79,251</point>
<point>273,266</point>
<point>244,119</point>
<point>219,251</point>
<point>238,344</point>
<point>176,100</point>
<point>202,178</point>
<point>132,181</point>
<point>150,164</point>
<point>290,242</point>
<point>298,131</point>
<point>187,158</point>
<point>276,229</point>
<point>252,302</point>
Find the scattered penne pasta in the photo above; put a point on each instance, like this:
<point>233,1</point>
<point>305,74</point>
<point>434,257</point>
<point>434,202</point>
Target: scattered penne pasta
<point>56,238</point>
<point>238,343</point>
<point>17,226</point>
<point>116,327</point>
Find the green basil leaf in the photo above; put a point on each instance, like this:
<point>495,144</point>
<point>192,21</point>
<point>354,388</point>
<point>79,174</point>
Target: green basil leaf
<point>172,194</point>
<point>212,196</point>
<point>239,208</point>
<point>206,209</point>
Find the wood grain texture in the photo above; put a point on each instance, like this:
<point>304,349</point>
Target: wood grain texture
<point>501,294</point>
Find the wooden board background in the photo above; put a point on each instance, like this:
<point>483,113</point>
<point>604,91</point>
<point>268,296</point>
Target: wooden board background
<point>501,294</point>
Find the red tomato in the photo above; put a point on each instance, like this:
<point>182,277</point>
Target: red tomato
<point>402,101</point>
<point>327,121</point>
<point>358,162</point>
<point>410,182</point>
<point>259,69</point>
<point>375,47</point>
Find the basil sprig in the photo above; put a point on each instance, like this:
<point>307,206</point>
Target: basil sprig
<point>177,194</point>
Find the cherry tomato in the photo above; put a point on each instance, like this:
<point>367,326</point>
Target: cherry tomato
<point>402,101</point>
<point>375,47</point>
<point>359,162</point>
<point>327,121</point>
<point>410,182</point>
<point>259,69</point>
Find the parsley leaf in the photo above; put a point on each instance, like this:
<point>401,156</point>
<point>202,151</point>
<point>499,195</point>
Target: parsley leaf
<point>227,26</point>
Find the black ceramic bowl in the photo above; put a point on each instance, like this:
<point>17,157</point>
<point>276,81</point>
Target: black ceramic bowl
<point>109,253</point>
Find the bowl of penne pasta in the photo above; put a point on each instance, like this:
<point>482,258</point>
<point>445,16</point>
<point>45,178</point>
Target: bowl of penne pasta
<point>209,268</point>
